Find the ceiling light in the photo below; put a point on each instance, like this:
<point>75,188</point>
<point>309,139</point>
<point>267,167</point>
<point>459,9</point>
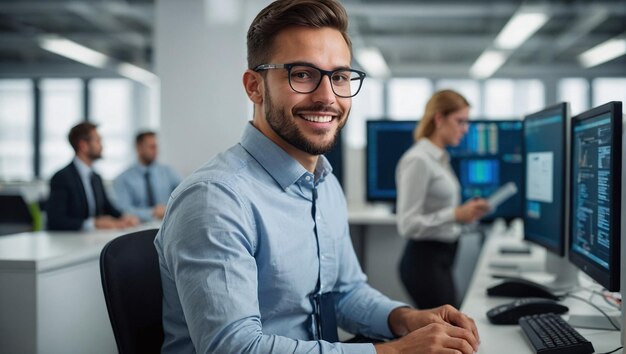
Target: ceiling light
<point>487,63</point>
<point>74,51</point>
<point>603,52</point>
<point>519,28</point>
<point>136,73</point>
<point>373,62</point>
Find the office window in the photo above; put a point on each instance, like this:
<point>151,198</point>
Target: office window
<point>61,109</point>
<point>512,99</point>
<point>470,89</point>
<point>16,135</point>
<point>407,97</point>
<point>608,89</point>
<point>529,97</point>
<point>576,92</point>
<point>368,104</point>
<point>499,96</point>
<point>111,107</point>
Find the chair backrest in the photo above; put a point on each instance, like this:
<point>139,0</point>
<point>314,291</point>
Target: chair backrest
<point>129,268</point>
<point>14,214</point>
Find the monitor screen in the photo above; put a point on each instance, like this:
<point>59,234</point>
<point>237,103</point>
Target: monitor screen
<point>545,165</point>
<point>595,193</point>
<point>488,156</point>
<point>387,140</point>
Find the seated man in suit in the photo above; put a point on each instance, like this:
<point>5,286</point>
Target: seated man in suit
<point>143,189</point>
<point>78,200</point>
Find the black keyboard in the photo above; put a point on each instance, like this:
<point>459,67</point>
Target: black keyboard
<point>550,334</point>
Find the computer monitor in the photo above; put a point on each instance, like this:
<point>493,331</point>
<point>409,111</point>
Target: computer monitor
<point>595,192</point>
<point>488,156</point>
<point>335,158</point>
<point>545,190</point>
<point>387,140</point>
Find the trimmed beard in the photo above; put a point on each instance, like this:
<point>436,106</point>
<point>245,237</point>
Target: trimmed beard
<point>285,127</point>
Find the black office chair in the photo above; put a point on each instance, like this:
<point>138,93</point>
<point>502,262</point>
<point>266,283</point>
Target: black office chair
<point>15,216</point>
<point>129,268</point>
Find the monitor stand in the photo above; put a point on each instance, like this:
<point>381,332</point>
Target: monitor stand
<point>565,273</point>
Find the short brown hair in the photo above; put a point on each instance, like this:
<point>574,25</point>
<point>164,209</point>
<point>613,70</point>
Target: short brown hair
<point>142,135</point>
<point>287,13</point>
<point>444,102</point>
<point>80,131</point>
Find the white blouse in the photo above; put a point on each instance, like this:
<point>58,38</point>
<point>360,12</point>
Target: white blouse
<point>428,193</point>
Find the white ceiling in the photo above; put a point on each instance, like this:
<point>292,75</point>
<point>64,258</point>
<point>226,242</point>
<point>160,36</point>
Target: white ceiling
<point>417,38</point>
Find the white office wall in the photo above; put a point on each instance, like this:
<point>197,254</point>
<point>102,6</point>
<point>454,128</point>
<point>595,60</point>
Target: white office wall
<point>200,56</point>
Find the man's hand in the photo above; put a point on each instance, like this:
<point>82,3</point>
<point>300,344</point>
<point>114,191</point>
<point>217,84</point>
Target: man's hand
<point>158,211</point>
<point>106,222</point>
<point>128,220</point>
<point>109,222</point>
<point>431,331</point>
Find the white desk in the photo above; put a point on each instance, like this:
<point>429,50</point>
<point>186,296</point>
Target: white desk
<point>51,298</point>
<point>510,339</point>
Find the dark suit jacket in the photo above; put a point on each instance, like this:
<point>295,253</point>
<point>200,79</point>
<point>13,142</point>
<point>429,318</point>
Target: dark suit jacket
<point>67,206</point>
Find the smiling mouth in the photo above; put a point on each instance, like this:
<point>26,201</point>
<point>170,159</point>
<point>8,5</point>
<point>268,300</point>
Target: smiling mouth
<point>317,118</point>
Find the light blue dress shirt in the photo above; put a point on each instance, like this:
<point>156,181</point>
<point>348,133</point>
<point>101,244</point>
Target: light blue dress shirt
<point>131,195</point>
<point>239,258</point>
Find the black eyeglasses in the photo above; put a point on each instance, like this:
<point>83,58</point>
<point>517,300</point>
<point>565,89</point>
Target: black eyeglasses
<point>305,78</point>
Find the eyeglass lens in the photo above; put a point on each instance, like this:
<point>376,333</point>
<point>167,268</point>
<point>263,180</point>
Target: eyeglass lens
<point>305,79</point>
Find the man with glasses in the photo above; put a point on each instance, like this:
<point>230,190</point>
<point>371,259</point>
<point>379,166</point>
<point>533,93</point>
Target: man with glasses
<point>254,250</point>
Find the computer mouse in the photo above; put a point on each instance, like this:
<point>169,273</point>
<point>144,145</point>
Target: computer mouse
<point>518,287</point>
<point>511,312</point>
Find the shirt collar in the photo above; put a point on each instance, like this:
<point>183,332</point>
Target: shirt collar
<point>433,150</point>
<point>82,168</point>
<point>276,161</point>
<point>143,168</point>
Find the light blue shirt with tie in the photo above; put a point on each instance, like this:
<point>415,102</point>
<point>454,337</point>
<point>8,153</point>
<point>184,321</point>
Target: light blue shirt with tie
<point>131,195</point>
<point>239,258</point>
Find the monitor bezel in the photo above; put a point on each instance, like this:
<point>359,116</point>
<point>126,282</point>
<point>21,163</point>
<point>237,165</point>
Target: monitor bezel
<point>609,279</point>
<point>563,108</point>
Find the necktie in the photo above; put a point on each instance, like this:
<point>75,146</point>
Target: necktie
<point>149,193</point>
<point>98,193</point>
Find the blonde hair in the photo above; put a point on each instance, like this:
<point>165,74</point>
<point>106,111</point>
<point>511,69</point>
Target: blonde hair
<point>444,102</point>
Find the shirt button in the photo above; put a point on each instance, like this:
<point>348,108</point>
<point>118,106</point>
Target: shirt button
<point>308,178</point>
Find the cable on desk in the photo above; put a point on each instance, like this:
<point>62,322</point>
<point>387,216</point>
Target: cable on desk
<point>613,351</point>
<point>596,307</point>
<point>608,297</point>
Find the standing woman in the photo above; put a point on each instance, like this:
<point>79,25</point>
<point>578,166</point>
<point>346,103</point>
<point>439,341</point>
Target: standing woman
<point>428,201</point>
